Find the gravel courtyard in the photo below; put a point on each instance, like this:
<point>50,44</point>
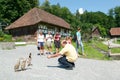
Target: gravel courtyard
<point>46,69</point>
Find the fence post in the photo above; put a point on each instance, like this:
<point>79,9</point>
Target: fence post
<point>109,48</point>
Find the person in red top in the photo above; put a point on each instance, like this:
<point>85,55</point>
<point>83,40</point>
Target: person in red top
<point>57,37</point>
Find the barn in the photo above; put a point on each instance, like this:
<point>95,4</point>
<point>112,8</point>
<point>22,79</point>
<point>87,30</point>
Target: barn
<point>37,19</point>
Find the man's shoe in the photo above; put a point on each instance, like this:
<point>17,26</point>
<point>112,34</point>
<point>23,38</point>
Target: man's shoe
<point>69,68</point>
<point>38,54</point>
<point>73,65</point>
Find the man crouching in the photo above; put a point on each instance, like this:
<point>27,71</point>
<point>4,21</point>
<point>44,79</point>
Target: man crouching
<point>69,55</point>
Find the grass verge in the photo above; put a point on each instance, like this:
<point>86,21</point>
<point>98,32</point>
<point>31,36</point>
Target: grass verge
<point>93,53</point>
<point>104,47</point>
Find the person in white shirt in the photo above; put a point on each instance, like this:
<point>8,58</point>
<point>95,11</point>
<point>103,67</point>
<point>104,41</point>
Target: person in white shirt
<point>49,38</point>
<point>40,42</point>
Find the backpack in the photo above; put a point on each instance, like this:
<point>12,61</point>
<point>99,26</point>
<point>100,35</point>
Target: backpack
<point>74,37</point>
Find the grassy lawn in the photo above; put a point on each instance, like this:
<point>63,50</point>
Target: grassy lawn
<point>115,50</point>
<point>104,47</point>
<point>100,45</point>
<point>92,53</point>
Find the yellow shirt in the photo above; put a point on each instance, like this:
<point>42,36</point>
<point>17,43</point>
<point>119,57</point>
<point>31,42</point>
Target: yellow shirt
<point>70,52</point>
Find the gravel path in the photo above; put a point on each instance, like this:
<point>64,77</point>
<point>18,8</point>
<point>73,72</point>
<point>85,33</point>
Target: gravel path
<point>46,69</point>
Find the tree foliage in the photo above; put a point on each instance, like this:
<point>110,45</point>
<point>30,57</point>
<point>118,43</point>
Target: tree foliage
<point>10,10</point>
<point>117,16</point>
<point>87,20</point>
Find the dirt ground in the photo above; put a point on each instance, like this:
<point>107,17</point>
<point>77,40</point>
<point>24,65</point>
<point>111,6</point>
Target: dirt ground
<point>46,69</point>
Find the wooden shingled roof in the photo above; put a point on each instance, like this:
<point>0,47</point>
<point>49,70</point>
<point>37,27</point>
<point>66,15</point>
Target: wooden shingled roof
<point>35,16</point>
<point>115,31</point>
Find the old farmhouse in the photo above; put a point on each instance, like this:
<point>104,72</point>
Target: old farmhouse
<point>96,32</point>
<point>35,20</point>
<point>115,32</point>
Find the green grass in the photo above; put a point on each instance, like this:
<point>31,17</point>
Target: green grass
<point>92,53</point>
<point>104,47</point>
<point>100,45</point>
<point>115,50</point>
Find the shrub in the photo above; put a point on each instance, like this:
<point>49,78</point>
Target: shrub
<point>1,34</point>
<point>5,37</point>
<point>1,38</point>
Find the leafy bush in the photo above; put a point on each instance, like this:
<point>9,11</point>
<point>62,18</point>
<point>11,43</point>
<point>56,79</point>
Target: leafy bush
<point>1,34</point>
<point>5,37</point>
<point>1,38</point>
<point>18,40</point>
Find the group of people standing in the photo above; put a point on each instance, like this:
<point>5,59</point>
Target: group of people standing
<point>68,53</point>
<point>48,39</point>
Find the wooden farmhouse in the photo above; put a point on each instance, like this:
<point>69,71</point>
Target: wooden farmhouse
<point>115,32</point>
<point>95,32</point>
<point>35,20</point>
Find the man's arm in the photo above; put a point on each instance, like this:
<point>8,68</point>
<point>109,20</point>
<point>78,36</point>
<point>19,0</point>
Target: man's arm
<point>53,55</point>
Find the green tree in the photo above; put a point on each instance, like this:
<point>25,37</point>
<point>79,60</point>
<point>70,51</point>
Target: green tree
<point>46,6</point>
<point>117,16</point>
<point>56,10</point>
<point>102,30</point>
<point>87,20</point>
<point>59,11</point>
<point>10,10</point>
<point>111,18</point>
<point>99,18</point>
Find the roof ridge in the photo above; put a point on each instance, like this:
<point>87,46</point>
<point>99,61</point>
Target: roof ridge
<point>37,15</point>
